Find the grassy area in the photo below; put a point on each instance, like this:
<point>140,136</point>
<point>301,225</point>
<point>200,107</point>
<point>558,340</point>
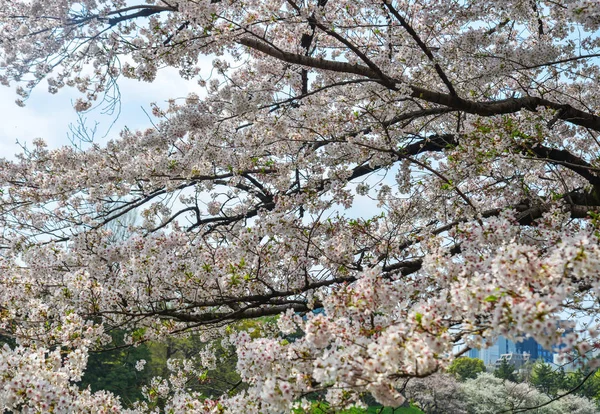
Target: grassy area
<point>387,410</point>
<point>320,408</point>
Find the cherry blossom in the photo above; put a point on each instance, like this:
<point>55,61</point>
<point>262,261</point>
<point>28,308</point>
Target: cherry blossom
<point>392,182</point>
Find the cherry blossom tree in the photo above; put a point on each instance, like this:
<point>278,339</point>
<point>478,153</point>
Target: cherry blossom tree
<point>488,394</point>
<point>391,180</point>
<point>437,393</point>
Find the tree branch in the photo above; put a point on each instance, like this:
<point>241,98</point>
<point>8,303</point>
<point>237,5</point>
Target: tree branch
<point>500,107</point>
<point>422,46</point>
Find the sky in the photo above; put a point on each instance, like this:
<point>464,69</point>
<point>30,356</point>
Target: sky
<point>49,116</point>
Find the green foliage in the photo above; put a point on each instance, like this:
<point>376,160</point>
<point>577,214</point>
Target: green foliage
<point>506,371</point>
<point>386,410</point>
<point>464,368</point>
<point>546,379</point>
<point>4,339</point>
<point>213,383</point>
<point>589,389</point>
<point>323,408</point>
<point>114,370</point>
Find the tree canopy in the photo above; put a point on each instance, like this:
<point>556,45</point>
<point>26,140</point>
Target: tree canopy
<point>506,371</point>
<point>390,180</point>
<point>465,368</point>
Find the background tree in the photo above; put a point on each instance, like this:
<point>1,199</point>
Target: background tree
<point>506,371</point>
<point>113,367</point>
<point>489,394</point>
<point>545,378</point>
<point>470,130</point>
<point>573,404</point>
<point>115,370</point>
<point>438,393</point>
<point>589,388</point>
<point>464,368</point>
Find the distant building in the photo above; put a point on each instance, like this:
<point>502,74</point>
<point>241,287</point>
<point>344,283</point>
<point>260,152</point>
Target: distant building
<point>514,359</point>
<point>491,354</point>
<point>535,350</point>
<point>504,346</point>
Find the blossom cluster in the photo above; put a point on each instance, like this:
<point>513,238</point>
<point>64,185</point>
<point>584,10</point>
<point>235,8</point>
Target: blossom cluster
<point>379,185</point>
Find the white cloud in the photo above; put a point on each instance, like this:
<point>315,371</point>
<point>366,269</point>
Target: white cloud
<point>49,116</point>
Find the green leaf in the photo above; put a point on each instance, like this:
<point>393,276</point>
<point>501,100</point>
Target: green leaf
<point>419,317</point>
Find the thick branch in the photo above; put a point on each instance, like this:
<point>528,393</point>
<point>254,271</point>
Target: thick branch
<point>566,159</point>
<point>505,106</point>
<point>207,318</point>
